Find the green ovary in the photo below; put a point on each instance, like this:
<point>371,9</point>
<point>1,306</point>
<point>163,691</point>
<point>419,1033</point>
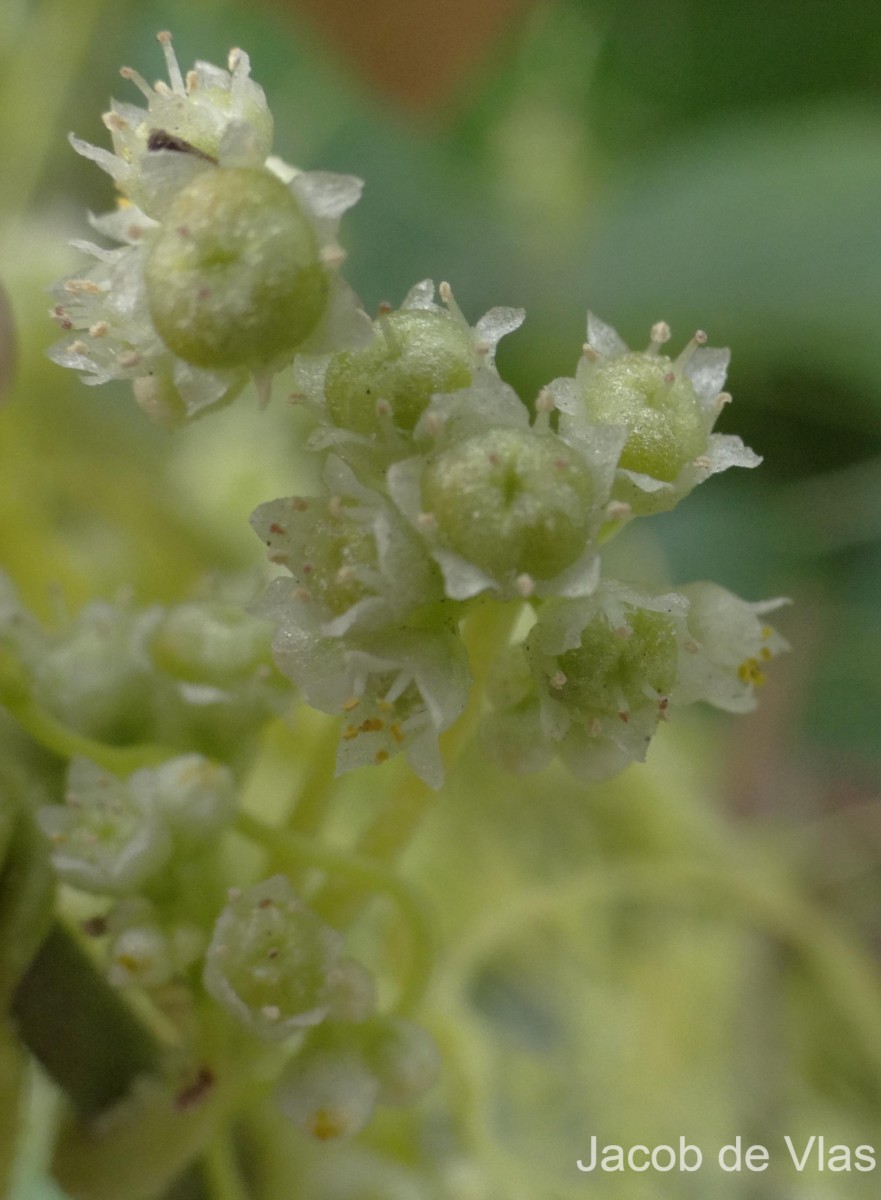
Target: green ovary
<point>659,407</point>
<point>611,666</point>
<point>336,553</point>
<point>511,501</point>
<point>234,276</point>
<point>416,354</point>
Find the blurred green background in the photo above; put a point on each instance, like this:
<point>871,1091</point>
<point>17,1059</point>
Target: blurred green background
<point>714,164</point>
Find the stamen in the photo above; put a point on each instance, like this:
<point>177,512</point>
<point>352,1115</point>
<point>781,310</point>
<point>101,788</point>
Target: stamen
<point>446,294</point>
<point>660,335</point>
<point>525,585</point>
<point>171,63</point>
<point>699,339</point>
<point>139,81</point>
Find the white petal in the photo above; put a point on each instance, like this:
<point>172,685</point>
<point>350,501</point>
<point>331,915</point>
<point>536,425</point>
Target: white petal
<point>603,338</point>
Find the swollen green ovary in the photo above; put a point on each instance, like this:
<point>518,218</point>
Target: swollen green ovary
<point>233,276</point>
<point>659,407</point>
<point>510,501</point>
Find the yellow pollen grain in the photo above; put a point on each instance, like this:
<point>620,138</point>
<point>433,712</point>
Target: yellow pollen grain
<point>750,672</point>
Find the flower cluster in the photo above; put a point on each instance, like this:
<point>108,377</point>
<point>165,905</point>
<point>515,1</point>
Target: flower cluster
<point>227,260</point>
<point>444,490</point>
<point>441,487</point>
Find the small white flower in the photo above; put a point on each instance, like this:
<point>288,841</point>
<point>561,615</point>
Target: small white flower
<point>351,553</point>
<point>666,407</point>
<point>728,648</point>
<point>505,504</point>
<point>211,126</point>
<point>396,690</point>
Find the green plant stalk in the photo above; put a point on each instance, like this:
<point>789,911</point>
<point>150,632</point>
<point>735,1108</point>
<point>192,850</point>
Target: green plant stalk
<point>60,740</point>
<point>487,630</point>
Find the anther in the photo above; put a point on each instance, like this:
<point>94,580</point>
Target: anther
<point>660,335</point>
<point>557,680</point>
<point>171,63</point>
<point>525,585</point>
<point>427,521</point>
<point>138,80</point>
<point>99,329</point>
<point>545,402</point>
<point>82,287</point>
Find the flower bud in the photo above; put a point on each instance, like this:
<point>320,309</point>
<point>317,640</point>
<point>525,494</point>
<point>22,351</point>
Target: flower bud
<point>352,991</point>
<point>107,838</point>
<point>328,1093</point>
<point>658,405</point>
<point>415,354</point>
<point>95,677</point>
<point>511,501</point>
<point>403,1056</point>
<point>270,960</point>
<point>614,670</point>
<point>234,277</point>
<point>140,957</point>
<point>196,796</point>
<point>210,642</point>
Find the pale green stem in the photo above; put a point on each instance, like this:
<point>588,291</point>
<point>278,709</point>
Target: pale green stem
<point>222,1169</point>
<point>54,736</point>
<point>486,631</point>
<point>363,873</point>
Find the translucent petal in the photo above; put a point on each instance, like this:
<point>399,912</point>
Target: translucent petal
<point>603,338</point>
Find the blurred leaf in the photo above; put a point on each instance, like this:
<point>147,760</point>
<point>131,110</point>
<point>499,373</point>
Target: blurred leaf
<point>768,232</point>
